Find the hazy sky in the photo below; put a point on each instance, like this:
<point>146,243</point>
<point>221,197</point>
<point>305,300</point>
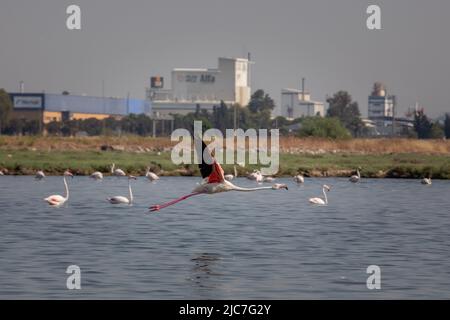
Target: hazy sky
<point>325,41</point>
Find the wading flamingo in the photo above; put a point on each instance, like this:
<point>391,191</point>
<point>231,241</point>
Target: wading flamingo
<point>213,181</point>
<point>426,181</point>
<point>56,199</point>
<point>355,178</point>
<point>122,199</point>
<point>39,175</point>
<point>117,172</point>
<point>320,200</point>
<point>299,179</point>
<point>151,175</point>
<point>97,175</point>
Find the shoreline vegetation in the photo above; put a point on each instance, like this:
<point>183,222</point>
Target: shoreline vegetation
<point>378,158</point>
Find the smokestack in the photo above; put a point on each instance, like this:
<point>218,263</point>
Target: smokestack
<point>303,89</point>
<point>22,87</point>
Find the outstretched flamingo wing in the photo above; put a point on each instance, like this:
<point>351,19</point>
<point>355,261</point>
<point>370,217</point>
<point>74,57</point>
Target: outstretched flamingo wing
<point>213,171</point>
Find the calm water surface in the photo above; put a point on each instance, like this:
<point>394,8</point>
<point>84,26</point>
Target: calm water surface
<point>268,244</point>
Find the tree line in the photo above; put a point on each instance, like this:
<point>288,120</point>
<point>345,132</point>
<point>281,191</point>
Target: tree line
<point>342,120</point>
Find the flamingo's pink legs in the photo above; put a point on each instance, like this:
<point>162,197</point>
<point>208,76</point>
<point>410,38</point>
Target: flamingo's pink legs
<point>164,205</point>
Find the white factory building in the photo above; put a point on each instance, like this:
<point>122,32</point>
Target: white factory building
<point>297,103</point>
<point>229,82</point>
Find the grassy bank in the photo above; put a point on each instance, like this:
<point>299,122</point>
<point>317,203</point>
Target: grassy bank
<point>315,157</point>
<point>328,164</point>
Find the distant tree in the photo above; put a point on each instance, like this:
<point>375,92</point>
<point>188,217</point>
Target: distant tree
<point>422,125</point>
<point>323,127</point>
<point>5,109</point>
<point>261,101</point>
<point>342,107</point>
<point>437,131</point>
<point>447,126</point>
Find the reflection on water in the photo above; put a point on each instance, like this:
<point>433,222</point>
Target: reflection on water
<point>204,274</point>
<point>268,244</point>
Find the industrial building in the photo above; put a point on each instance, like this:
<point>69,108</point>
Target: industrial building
<point>46,107</point>
<point>229,82</point>
<point>297,103</point>
<point>381,114</point>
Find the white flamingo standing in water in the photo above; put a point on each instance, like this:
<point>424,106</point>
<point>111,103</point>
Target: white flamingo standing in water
<point>56,199</point>
<point>117,172</point>
<point>97,175</point>
<point>355,178</point>
<point>39,175</point>
<point>151,175</point>
<point>213,182</point>
<point>299,179</point>
<point>122,199</point>
<point>320,200</point>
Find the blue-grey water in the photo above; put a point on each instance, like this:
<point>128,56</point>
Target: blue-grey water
<point>269,244</point>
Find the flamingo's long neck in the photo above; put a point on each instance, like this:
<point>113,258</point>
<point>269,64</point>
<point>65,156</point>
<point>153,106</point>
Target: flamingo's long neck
<point>67,188</point>
<point>236,188</point>
<point>325,195</point>
<point>130,194</point>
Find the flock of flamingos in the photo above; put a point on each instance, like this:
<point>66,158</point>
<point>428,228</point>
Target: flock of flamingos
<point>214,181</point>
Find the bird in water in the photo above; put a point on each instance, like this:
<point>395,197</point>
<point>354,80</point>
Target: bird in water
<point>355,178</point>
<point>320,200</point>
<point>151,175</point>
<point>117,172</point>
<point>39,175</point>
<point>97,175</point>
<point>299,179</point>
<point>56,199</point>
<point>213,181</point>
<point>426,181</point>
<point>122,199</point>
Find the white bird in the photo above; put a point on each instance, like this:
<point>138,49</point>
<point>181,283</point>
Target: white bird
<point>320,200</point>
<point>1,173</point>
<point>299,179</point>
<point>97,175</point>
<point>39,175</point>
<point>268,179</point>
<point>230,177</point>
<point>426,181</point>
<point>214,182</point>
<point>355,178</point>
<point>117,172</point>
<point>151,175</point>
<point>122,199</point>
<point>256,175</point>
<point>56,199</point>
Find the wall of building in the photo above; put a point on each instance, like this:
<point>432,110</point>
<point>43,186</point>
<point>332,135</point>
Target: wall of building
<point>296,104</point>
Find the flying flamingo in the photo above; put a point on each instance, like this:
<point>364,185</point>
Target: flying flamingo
<point>97,175</point>
<point>39,175</point>
<point>121,199</point>
<point>320,200</point>
<point>214,182</point>
<point>56,199</point>
<point>151,175</point>
<point>355,178</point>
<point>117,172</point>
